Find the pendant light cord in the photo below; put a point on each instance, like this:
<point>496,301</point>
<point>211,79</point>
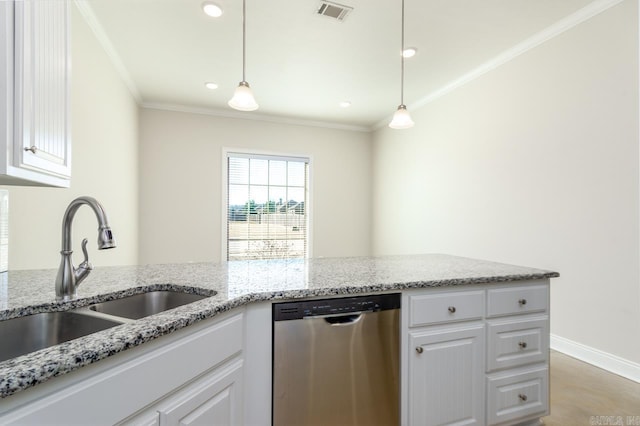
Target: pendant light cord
<point>402,59</point>
<point>244,37</point>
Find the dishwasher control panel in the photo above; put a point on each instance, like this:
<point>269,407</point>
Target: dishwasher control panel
<point>337,306</point>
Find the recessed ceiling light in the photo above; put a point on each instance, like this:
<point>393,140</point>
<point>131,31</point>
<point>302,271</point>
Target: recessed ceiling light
<point>210,85</point>
<point>345,104</point>
<point>409,52</point>
<point>212,9</point>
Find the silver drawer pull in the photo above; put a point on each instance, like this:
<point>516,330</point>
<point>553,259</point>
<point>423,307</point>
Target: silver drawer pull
<point>452,309</point>
<point>522,397</point>
<point>419,349</point>
<point>523,345</point>
<point>33,149</point>
<point>522,302</point>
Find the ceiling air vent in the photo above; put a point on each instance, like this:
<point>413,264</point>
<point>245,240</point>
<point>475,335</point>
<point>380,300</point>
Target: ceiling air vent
<point>333,10</point>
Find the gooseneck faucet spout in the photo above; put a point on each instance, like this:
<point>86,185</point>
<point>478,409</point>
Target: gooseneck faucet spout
<point>69,277</point>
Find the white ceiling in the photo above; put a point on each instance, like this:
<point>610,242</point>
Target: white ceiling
<point>301,65</point>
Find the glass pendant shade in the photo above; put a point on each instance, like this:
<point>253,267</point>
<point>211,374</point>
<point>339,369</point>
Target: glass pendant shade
<point>401,119</point>
<point>243,99</point>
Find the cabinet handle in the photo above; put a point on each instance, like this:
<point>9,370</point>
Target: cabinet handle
<point>33,149</point>
<point>452,309</point>
<point>419,349</point>
<point>523,345</point>
<point>522,302</point>
<point>522,397</point>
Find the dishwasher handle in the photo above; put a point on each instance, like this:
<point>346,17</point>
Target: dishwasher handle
<point>344,319</point>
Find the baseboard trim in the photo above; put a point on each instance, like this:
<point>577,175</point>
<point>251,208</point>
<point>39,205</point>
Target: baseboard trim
<point>596,357</point>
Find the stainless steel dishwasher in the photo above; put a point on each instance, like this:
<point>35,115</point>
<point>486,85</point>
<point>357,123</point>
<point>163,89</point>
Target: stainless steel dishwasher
<point>336,361</point>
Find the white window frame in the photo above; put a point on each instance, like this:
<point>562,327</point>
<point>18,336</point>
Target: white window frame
<point>225,188</point>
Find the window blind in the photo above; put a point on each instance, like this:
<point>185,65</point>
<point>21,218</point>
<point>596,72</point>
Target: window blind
<point>267,207</point>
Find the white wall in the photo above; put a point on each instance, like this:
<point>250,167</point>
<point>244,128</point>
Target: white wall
<point>534,163</point>
<point>180,182</point>
<point>104,165</point>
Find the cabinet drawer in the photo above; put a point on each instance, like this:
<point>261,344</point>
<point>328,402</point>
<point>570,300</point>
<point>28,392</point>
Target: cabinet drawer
<point>517,342</point>
<point>517,300</point>
<point>518,395</point>
<point>445,307</point>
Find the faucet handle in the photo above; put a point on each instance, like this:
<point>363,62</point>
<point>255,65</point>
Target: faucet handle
<point>85,267</point>
<point>85,253</point>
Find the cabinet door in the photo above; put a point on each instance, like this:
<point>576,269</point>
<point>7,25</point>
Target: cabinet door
<point>446,376</point>
<point>42,62</point>
<point>214,401</point>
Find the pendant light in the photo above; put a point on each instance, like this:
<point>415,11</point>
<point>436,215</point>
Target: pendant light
<point>243,99</point>
<point>401,118</point>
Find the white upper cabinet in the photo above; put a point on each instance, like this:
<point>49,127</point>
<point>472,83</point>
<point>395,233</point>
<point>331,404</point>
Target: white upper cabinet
<point>35,139</point>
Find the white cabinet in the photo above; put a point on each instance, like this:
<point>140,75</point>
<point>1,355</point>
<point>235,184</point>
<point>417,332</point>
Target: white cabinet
<point>476,355</point>
<point>518,353</point>
<point>446,376</point>
<point>35,139</point>
<point>446,354</point>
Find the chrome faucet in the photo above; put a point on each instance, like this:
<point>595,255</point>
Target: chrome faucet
<point>69,277</point>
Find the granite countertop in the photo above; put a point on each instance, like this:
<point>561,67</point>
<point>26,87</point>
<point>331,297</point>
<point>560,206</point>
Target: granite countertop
<point>236,283</point>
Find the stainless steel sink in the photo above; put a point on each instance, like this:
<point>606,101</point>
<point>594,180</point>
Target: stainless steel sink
<point>19,336</point>
<point>145,304</point>
<point>22,335</point>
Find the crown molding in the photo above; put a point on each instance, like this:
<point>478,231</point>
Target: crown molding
<point>85,9</point>
<point>229,113</point>
<point>592,9</point>
<point>564,24</point>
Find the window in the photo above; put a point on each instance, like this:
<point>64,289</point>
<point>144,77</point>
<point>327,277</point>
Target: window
<point>267,207</point>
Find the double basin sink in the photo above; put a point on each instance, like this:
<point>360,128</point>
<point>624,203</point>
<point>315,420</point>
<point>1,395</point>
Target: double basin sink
<point>30,333</point>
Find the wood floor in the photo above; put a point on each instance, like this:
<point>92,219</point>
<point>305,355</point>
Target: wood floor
<point>582,394</point>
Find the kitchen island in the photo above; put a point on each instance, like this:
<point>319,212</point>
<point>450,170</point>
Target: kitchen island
<point>238,286</point>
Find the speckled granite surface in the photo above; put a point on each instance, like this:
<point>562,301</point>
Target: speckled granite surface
<point>235,284</point>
